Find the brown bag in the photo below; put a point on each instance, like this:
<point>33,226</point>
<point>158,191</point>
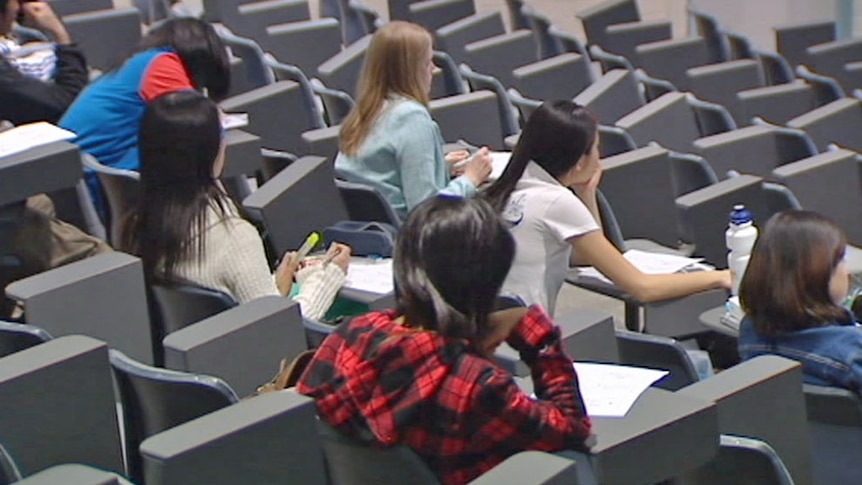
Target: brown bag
<point>288,373</point>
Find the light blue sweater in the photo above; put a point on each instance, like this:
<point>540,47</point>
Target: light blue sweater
<point>402,157</point>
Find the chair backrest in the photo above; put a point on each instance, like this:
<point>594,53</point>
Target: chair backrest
<point>719,83</point>
<point>558,77</point>
<point>453,37</point>
<point>776,69</point>
<point>652,351</point>
<point>57,406</point>
<point>15,337</point>
<point>342,70</point>
<point>614,140</point>
<point>791,41</point>
<point>22,174</point>
<point>304,44</point>
<point>835,423</point>
<point>597,18</point>
<point>337,104</point>
<point>608,60</point>
<point>752,150</point>
<point>711,118</point>
<point>89,297</point>
<point>653,194</point>
<point>668,120</point>
<point>546,45</point>
<point>623,39</point>
<point>91,30</point>
<point>704,214</point>
<point>433,14</point>
<point>708,28</point>
<point>252,19</point>
<point>498,56</point>
<point>526,106</point>
<point>354,24</point>
<point>477,82</point>
<point>751,461</point>
<point>567,41</point>
<point>9,472</point>
<point>276,113</point>
<point>322,142</point>
<point>122,188</point>
<point>690,172</point>
<point>75,474</point>
<point>740,46</point>
<point>400,9</point>
<point>254,67</point>
<point>353,462</point>
<point>826,89</point>
<point>612,96</point>
<point>366,203</point>
<point>180,305</point>
<point>829,183</point>
<point>837,122</point>
<point>267,439</point>
<point>447,80</point>
<point>289,192</point>
<point>775,104</point>
<point>474,117</point>
<point>155,399</point>
<point>286,72</point>
<point>745,396</point>
<point>830,58</point>
<point>670,59</point>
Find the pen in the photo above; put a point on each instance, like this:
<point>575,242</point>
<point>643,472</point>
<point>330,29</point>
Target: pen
<point>309,244</point>
<point>467,160</point>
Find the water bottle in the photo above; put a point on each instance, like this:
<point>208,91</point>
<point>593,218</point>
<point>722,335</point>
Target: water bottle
<point>740,237</point>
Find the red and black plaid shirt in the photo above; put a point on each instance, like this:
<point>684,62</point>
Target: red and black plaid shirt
<point>382,382</point>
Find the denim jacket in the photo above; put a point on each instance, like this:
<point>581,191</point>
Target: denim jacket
<point>830,355</point>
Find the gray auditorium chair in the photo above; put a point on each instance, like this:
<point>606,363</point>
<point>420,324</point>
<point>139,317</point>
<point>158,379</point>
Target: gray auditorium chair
<point>720,83</point>
<point>342,70</point>
<point>516,18</point>
<point>623,39</point>
<point>708,27</point>
<point>252,19</point>
<point>155,399</point>
<point>608,61</point>
<point>276,113</point>
<point>498,56</point>
<point>614,140</point>
<point>57,406</point>
<point>690,172</point>
<point>264,440</point>
<point>547,45</point>
<point>674,120</point>
<point>447,80</point>
<point>835,426</point>
<point>70,7</point>
<point>74,474</point>
<point>558,77</point>
<point>336,104</point>
<point>838,122</point>
<point>473,117</point>
<point>121,188</point>
<point>586,336</point>
<point>828,183</point>
<point>9,472</point>
<point>612,96</point>
<point>357,20</point>
<point>775,104</point>
<point>453,37</point>
<point>598,18</point>
<point>306,44</point>
<point>829,59</point>
<point>433,14</point>
<point>286,72</point>
<point>481,82</point>
<point>257,335</point>
<point>670,59</point>
<point>282,203</point>
<point>567,42</point>
<point>826,89</point>
<point>15,337</point>
<point>791,41</point>
<point>746,396</point>
<point>92,30</point>
<point>531,468</point>
<point>255,71</point>
<point>704,214</point>
<point>656,352</point>
<point>748,460</point>
<point>400,9</point>
<point>322,142</point>
<point>525,106</point>
<point>740,46</point>
<point>776,69</point>
<point>176,306</point>
<point>366,203</point>
<point>89,297</point>
<point>22,174</point>
<point>755,150</point>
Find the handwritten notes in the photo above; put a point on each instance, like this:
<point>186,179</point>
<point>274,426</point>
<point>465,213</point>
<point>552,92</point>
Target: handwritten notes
<point>31,135</point>
<point>371,275</point>
<point>611,390</point>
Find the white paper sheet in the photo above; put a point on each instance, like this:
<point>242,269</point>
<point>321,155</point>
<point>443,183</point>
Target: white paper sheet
<point>31,135</point>
<point>611,390</point>
<point>372,275</point>
<point>234,120</point>
<point>499,162</point>
<point>649,263</point>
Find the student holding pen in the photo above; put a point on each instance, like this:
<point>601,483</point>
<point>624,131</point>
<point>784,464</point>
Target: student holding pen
<point>389,140</point>
<point>187,230</point>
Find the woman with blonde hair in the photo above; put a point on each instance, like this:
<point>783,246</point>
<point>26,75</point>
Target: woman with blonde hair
<point>389,140</point>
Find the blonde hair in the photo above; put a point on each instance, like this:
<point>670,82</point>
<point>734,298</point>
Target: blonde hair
<point>392,66</point>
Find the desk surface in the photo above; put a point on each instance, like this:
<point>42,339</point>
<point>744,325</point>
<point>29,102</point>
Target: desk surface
<point>711,319</point>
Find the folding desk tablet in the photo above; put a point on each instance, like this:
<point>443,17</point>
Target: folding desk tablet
<point>25,173</point>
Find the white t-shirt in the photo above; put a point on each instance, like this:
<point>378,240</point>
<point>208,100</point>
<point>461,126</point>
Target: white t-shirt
<point>542,215</point>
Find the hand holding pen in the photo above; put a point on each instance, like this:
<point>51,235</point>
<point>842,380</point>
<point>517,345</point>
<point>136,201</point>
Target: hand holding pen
<point>477,167</point>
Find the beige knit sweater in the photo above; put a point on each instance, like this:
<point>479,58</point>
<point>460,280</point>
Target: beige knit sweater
<point>234,262</point>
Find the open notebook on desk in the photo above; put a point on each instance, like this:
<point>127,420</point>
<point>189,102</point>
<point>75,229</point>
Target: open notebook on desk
<point>652,263</point>
<point>371,275</point>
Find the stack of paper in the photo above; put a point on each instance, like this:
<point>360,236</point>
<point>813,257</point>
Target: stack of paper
<point>649,263</point>
<point>28,136</point>
<point>371,275</point>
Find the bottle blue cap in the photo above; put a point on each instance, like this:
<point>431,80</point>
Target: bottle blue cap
<point>740,215</point>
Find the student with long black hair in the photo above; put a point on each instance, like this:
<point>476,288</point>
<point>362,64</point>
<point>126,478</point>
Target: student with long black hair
<point>187,230</point>
<point>556,227</point>
<point>423,375</point>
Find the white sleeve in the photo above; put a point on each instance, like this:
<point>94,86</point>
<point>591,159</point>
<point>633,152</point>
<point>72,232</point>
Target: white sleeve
<point>244,267</point>
<point>318,286</point>
<point>567,217</point>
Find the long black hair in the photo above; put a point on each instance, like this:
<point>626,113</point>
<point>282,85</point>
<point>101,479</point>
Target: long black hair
<point>200,48</point>
<point>180,140</point>
<point>556,136</point>
<point>451,258</point>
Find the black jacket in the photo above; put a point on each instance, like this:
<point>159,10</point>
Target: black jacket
<point>25,99</point>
